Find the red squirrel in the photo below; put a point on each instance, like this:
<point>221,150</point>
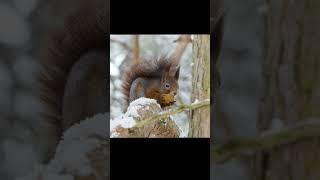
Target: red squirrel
<point>151,79</point>
<point>73,80</point>
<point>155,78</point>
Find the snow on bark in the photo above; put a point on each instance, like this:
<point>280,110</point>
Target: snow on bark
<point>138,110</point>
<point>83,152</point>
<point>128,119</point>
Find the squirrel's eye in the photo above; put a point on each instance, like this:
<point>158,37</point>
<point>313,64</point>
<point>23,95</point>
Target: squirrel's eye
<point>167,86</point>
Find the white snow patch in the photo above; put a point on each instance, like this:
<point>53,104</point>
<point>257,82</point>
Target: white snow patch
<point>137,104</point>
<point>77,142</point>
<point>195,101</point>
<point>182,123</point>
<point>114,71</point>
<point>127,120</point>
<point>71,157</point>
<point>94,125</point>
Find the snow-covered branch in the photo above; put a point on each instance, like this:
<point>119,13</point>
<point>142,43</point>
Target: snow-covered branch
<point>170,112</point>
<point>145,118</point>
<point>142,108</point>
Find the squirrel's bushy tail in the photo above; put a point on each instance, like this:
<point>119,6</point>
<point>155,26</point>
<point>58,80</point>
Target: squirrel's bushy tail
<point>84,30</point>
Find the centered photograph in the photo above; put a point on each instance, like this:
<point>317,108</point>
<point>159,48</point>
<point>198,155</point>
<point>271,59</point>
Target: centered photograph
<point>160,86</point>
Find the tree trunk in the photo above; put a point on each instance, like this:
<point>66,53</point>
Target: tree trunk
<point>200,118</point>
<point>292,87</point>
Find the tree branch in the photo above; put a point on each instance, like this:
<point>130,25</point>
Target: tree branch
<point>271,139</point>
<point>135,48</point>
<point>145,118</point>
<point>182,43</point>
<point>177,110</point>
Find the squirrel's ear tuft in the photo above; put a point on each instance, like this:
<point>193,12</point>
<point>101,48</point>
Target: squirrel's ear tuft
<point>176,76</point>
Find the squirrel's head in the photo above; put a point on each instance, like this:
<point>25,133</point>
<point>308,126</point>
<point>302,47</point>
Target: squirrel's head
<point>169,82</point>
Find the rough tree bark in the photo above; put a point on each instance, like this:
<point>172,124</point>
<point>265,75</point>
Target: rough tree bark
<point>141,110</point>
<point>200,118</point>
<point>292,87</point>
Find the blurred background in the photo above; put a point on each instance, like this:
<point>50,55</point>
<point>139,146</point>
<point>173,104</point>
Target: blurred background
<point>270,80</point>
<point>23,30</point>
<point>240,67</point>
<point>151,46</point>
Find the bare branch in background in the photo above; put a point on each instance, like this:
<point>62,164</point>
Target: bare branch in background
<point>123,44</point>
<point>268,140</point>
<point>183,42</point>
<point>135,48</point>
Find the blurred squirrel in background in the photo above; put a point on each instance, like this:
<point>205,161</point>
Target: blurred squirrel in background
<point>155,78</point>
<point>73,80</point>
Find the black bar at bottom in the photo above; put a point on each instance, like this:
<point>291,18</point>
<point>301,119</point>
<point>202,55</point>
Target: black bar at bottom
<point>150,159</point>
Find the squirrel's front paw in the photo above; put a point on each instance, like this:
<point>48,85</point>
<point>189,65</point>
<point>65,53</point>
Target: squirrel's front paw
<point>167,99</point>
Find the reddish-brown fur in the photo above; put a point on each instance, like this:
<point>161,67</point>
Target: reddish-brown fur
<point>151,68</point>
